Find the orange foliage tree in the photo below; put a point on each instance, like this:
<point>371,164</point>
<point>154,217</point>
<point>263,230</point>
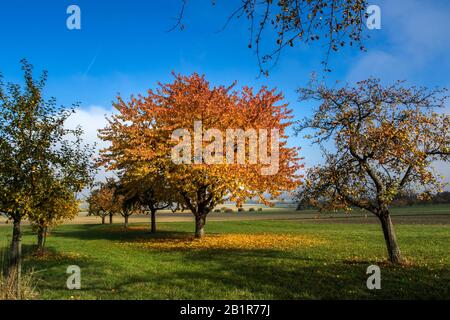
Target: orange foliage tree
<point>102,201</point>
<point>145,135</point>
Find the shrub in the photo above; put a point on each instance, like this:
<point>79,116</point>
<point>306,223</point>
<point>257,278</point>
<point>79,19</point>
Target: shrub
<point>259,209</point>
<point>228,210</point>
<point>241,209</point>
<point>251,209</point>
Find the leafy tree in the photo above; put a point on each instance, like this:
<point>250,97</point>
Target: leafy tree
<point>96,207</point>
<point>142,134</point>
<point>332,23</point>
<point>35,147</point>
<point>377,141</point>
<point>125,201</point>
<point>56,204</point>
<point>149,193</point>
<point>102,201</point>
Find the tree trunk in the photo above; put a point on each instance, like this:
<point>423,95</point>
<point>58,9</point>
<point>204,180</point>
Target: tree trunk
<point>200,221</point>
<point>110,218</point>
<point>393,249</point>
<point>103,219</point>
<point>42,235</point>
<point>15,263</point>
<point>126,221</point>
<point>153,221</point>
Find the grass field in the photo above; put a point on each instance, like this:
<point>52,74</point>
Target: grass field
<point>260,259</point>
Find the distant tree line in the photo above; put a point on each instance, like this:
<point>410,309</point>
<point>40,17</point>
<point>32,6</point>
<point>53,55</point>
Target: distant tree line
<point>403,200</point>
<point>412,198</point>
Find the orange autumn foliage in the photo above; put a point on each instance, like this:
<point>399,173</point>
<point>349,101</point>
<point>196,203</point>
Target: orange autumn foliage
<point>141,141</point>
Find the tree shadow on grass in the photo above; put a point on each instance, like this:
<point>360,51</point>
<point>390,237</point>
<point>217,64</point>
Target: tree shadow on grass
<point>269,275</point>
<point>237,274</point>
<point>114,233</point>
<point>232,273</point>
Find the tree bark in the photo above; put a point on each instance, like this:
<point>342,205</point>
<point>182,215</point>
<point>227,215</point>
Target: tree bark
<point>103,219</point>
<point>42,235</point>
<point>200,221</point>
<point>110,218</point>
<point>126,222</point>
<point>15,263</point>
<point>393,249</point>
<point>153,221</point>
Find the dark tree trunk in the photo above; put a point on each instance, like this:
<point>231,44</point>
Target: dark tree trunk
<point>103,219</point>
<point>200,221</point>
<point>42,235</point>
<point>153,221</point>
<point>110,218</point>
<point>393,249</point>
<point>15,263</point>
<point>126,221</point>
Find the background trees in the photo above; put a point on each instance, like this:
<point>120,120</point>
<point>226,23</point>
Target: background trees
<point>141,136</point>
<point>377,141</point>
<point>102,202</point>
<point>36,151</point>
<point>149,193</point>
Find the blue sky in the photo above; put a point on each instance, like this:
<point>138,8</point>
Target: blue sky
<point>124,47</point>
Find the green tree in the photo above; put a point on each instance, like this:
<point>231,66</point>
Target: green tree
<point>56,204</point>
<point>35,147</point>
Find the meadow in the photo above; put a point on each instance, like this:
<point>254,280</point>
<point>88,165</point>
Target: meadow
<point>271,257</point>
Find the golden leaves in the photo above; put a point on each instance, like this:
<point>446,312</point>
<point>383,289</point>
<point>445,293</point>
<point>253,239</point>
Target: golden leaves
<point>237,241</point>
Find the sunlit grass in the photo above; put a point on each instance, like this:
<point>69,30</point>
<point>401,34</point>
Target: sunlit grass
<point>270,259</point>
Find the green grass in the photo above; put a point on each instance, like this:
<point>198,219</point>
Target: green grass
<point>334,269</point>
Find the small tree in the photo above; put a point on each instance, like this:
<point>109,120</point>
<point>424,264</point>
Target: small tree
<point>125,201</point>
<point>96,207</point>
<point>35,145</point>
<point>377,142</point>
<point>102,202</point>
<point>57,205</point>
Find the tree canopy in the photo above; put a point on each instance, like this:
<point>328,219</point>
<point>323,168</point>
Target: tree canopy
<point>142,136</point>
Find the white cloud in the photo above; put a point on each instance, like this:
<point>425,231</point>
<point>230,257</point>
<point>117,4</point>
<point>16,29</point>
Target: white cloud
<point>91,119</point>
<point>415,42</point>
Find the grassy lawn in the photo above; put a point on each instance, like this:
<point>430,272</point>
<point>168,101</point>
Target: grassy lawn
<point>240,260</point>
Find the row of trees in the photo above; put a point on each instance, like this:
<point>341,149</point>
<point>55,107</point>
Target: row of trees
<point>412,198</point>
<point>128,197</point>
<point>378,142</point>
